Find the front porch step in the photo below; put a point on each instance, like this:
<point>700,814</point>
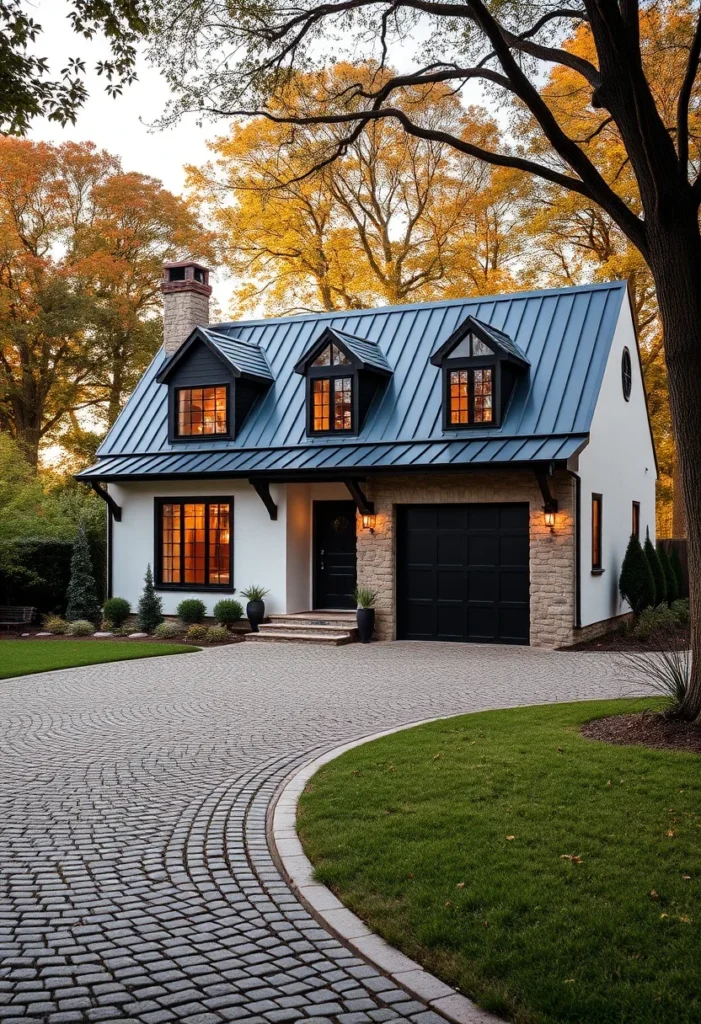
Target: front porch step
<point>289,636</point>
<point>330,628</point>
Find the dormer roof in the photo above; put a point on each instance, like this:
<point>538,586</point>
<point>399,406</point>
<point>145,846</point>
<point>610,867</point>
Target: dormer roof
<point>363,353</point>
<point>498,341</point>
<point>242,358</point>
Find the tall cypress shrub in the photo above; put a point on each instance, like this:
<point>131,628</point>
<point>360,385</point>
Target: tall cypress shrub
<point>81,596</point>
<point>636,583</point>
<point>671,579</point>
<point>150,612</point>
<point>656,570</point>
<point>676,563</point>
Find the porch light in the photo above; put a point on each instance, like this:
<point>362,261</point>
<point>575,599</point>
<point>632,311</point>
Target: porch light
<point>550,519</point>
<point>369,522</point>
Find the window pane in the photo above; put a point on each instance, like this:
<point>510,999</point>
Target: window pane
<point>338,358</point>
<point>194,543</point>
<point>219,544</point>
<point>170,543</point>
<point>596,530</point>
<point>343,403</point>
<point>321,419</point>
<point>462,349</point>
<point>479,348</point>
<point>483,396</point>
<point>459,396</point>
<point>202,411</point>
<point>324,357</point>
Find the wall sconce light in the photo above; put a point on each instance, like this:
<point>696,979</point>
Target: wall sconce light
<point>550,519</point>
<point>369,522</point>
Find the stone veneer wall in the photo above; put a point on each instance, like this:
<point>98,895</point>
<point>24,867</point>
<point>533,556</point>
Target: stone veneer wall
<point>552,554</point>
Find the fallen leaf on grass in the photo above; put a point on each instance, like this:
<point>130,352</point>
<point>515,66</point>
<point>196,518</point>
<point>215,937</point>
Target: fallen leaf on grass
<point>569,981</point>
<point>687,878</point>
<point>686,920</point>
<point>574,857</point>
<point>663,915</point>
<point>511,837</point>
<point>670,833</point>
<point>436,756</point>
<point>654,894</point>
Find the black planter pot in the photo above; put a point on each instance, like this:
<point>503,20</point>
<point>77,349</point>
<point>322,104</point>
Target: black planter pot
<point>366,624</point>
<point>255,613</point>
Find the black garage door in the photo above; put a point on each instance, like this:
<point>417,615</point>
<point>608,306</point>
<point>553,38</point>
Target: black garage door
<point>462,573</point>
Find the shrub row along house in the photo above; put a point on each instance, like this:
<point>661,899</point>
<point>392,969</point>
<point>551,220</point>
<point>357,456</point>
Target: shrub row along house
<point>480,463</point>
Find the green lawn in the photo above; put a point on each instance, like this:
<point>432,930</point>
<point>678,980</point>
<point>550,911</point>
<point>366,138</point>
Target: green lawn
<point>451,840</point>
<point>21,657</point>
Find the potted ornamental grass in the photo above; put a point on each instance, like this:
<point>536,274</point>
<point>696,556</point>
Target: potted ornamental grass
<point>255,609</point>
<point>365,613</point>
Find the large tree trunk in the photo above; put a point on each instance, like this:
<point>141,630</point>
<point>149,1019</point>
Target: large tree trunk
<point>675,261</point>
<point>678,511</point>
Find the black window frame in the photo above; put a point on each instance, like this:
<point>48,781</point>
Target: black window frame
<point>175,411</point>
<point>635,519</point>
<point>597,550</point>
<point>206,500</point>
<point>331,373</point>
<point>471,363</point>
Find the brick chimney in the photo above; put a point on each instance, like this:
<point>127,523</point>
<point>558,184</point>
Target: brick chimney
<point>186,292</point>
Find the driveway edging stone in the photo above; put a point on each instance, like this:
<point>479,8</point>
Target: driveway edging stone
<point>325,906</point>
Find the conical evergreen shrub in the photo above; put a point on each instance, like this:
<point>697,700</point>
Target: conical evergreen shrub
<point>672,589</point>
<point>656,569</point>
<point>150,611</point>
<point>636,583</point>
<point>676,563</point>
<point>81,596</point>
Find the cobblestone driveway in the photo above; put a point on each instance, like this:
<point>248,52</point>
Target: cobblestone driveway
<point>135,881</point>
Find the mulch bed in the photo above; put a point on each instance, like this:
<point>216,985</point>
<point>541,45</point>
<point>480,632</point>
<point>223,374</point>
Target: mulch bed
<point>648,730</point>
<point>235,638</point>
<point>617,640</point>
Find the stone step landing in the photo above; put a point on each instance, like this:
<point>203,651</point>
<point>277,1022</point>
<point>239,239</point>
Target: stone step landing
<point>332,629</point>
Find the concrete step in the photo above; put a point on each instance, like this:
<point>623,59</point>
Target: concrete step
<point>291,636</point>
<point>301,620</point>
<point>306,626</point>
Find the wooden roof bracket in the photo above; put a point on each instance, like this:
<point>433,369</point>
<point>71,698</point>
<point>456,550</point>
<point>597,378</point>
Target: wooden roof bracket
<point>365,507</point>
<point>262,489</point>
<point>544,476</point>
<point>112,505</point>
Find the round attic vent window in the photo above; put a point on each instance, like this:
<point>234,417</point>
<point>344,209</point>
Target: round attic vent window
<point>626,374</point>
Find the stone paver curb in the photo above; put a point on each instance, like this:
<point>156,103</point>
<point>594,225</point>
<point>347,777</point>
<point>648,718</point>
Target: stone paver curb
<point>331,913</point>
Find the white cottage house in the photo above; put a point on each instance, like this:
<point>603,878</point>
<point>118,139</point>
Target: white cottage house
<point>480,463</point>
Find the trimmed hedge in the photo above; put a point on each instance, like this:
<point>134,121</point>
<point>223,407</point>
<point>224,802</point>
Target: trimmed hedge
<point>37,571</point>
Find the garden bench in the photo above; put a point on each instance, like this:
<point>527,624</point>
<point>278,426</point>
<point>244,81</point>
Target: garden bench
<point>16,615</point>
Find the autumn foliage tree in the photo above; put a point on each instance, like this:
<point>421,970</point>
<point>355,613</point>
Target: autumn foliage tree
<point>81,247</point>
<point>392,220</point>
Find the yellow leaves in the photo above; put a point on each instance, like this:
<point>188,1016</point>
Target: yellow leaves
<point>572,857</point>
<point>654,894</point>
<point>671,833</point>
<point>460,885</point>
<point>510,838</point>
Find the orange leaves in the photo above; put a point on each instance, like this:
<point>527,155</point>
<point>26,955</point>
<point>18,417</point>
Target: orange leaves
<point>573,858</point>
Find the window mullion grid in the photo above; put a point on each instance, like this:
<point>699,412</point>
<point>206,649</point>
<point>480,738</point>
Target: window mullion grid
<point>206,543</point>
<point>181,506</point>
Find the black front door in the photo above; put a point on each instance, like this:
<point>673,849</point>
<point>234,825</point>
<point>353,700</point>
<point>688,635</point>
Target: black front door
<point>334,554</point>
<point>463,573</point>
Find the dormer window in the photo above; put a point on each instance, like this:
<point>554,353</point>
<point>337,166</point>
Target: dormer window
<point>343,374</point>
<point>214,380</point>
<point>202,411</point>
<point>480,367</point>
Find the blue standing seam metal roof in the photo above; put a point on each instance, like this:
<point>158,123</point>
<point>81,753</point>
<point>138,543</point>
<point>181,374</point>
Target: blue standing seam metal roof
<point>502,340</point>
<point>564,333</point>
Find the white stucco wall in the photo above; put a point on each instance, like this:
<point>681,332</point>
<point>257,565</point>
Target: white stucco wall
<point>618,463</point>
<point>259,542</point>
<point>275,554</point>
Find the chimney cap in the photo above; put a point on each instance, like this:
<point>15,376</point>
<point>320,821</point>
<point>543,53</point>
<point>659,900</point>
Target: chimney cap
<point>185,276</point>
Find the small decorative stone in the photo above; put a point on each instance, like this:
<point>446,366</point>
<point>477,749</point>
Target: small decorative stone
<point>26,634</point>
<point>137,636</point>
<point>41,634</point>
<point>103,633</point>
